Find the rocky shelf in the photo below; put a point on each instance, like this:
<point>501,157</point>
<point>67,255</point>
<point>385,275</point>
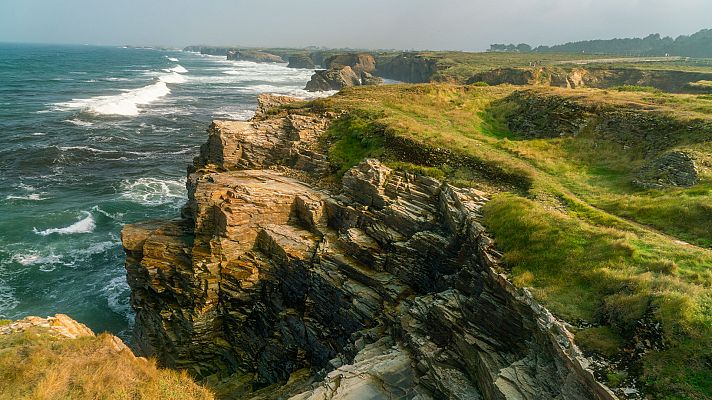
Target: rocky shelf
<point>278,283</point>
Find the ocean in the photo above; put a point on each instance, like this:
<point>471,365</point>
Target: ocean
<point>92,138</point>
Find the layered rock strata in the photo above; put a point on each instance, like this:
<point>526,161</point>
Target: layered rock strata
<point>385,287</point>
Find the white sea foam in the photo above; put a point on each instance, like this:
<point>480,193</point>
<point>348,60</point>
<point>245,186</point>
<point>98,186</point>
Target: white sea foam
<point>121,104</point>
<point>172,59</point>
<point>115,216</point>
<point>84,148</point>
<point>173,78</point>
<point>29,197</point>
<point>78,122</point>
<point>178,69</point>
<point>33,257</point>
<point>127,103</point>
<point>39,133</point>
<point>240,115</point>
<point>84,225</point>
<point>154,191</point>
<point>116,292</point>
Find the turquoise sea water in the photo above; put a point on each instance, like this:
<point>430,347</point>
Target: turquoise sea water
<point>92,138</point>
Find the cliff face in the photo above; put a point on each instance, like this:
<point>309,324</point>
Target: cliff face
<point>406,67</point>
<point>385,285</point>
<point>600,78</point>
<point>254,56</point>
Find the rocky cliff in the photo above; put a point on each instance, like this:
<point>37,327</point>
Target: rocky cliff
<point>278,282</point>
<point>254,56</point>
<point>596,77</point>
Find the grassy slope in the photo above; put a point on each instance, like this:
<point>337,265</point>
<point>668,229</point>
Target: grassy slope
<point>576,234</point>
<point>458,67</point>
<point>36,365</point>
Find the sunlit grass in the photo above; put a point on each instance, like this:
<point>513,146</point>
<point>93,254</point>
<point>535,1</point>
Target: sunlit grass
<point>37,365</point>
<point>572,227</point>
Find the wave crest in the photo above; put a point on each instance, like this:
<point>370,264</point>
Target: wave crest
<point>154,191</point>
<point>85,225</point>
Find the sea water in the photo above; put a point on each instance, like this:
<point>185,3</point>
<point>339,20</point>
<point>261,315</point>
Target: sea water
<point>92,138</point>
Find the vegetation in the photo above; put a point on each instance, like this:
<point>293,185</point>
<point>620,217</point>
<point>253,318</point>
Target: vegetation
<point>695,45</point>
<point>588,244</point>
<point>37,365</point>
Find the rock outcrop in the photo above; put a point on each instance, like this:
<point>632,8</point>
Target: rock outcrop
<point>339,78</point>
<point>535,115</point>
<point>333,79</point>
<point>301,61</point>
<point>592,77</point>
<point>359,62</point>
<point>675,168</point>
<point>406,67</point>
<point>254,56</point>
<point>386,286</point>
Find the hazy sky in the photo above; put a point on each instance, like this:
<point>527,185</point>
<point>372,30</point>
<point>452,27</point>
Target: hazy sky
<point>403,24</point>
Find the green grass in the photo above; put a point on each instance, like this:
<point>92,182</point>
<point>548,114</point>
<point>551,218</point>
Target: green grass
<point>591,247</point>
<point>635,88</point>
<point>601,340</point>
<point>351,140</point>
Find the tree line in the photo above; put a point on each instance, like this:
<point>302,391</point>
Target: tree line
<point>696,45</point>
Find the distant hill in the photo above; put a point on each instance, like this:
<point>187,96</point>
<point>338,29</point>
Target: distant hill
<point>696,45</point>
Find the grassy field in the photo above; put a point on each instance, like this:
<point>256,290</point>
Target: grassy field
<point>458,67</point>
<point>629,267</point>
<point>37,365</point>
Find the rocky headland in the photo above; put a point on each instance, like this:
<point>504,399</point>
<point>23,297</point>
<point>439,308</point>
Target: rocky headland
<point>345,70</point>
<point>254,56</point>
<point>281,281</point>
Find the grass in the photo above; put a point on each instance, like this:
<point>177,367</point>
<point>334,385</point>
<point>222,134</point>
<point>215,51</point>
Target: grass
<point>37,365</point>
<point>636,88</point>
<point>592,248</point>
<point>353,139</point>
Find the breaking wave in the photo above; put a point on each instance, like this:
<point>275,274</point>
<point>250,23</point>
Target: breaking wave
<point>154,191</point>
<point>85,225</point>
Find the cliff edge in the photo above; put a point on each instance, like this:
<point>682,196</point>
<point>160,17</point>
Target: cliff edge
<point>280,282</point>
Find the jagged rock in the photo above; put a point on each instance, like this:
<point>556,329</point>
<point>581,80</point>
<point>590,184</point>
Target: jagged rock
<point>254,56</point>
<point>359,62</point>
<point>333,79</point>
<point>381,370</point>
<point>387,287</point>
<point>675,168</point>
<point>368,79</point>
<point>407,67</point>
<point>267,102</point>
<point>301,61</point>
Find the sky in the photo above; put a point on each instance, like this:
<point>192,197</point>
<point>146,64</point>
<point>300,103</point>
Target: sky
<point>385,24</point>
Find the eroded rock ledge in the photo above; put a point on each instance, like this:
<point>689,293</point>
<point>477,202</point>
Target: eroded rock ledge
<point>386,287</point>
